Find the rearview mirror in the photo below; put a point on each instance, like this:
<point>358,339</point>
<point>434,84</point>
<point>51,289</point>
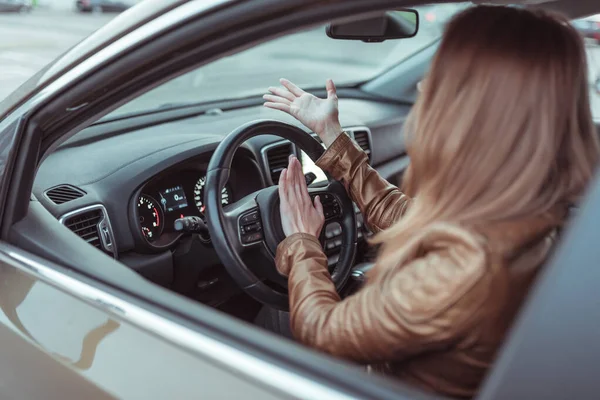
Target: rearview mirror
<point>399,24</point>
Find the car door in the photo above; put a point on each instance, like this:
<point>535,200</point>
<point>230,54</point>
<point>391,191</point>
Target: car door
<point>61,339</point>
<point>74,323</point>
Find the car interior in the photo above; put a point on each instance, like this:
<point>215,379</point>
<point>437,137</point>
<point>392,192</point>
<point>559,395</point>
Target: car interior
<point>132,186</point>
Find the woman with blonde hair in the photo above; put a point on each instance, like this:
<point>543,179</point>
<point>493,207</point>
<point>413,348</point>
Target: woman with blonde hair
<point>501,142</point>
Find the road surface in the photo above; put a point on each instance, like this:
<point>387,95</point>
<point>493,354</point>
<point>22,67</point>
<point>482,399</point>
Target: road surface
<point>29,42</point>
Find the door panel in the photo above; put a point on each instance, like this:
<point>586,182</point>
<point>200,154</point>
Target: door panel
<point>47,379</point>
<point>56,345</point>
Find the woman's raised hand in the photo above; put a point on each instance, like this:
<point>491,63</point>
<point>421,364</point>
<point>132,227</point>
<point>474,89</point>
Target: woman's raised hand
<point>318,115</point>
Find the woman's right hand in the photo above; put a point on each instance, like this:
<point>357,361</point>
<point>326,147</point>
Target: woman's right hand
<point>318,115</point>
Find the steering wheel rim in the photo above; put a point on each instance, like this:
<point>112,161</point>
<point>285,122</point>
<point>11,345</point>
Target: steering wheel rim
<point>227,229</point>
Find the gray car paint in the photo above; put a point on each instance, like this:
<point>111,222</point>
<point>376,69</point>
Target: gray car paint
<point>82,350</point>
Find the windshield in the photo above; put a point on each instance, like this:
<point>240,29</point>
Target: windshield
<point>307,58</point>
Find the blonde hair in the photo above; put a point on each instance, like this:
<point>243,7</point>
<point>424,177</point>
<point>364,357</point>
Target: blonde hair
<point>503,128</point>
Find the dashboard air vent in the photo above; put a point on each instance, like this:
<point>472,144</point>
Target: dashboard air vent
<point>362,139</point>
<point>277,159</point>
<point>64,193</point>
<point>92,225</point>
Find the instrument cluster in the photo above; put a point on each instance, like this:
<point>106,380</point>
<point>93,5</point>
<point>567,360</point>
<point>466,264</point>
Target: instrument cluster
<point>169,198</point>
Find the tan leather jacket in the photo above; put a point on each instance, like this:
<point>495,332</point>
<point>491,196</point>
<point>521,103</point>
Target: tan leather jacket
<point>437,319</point>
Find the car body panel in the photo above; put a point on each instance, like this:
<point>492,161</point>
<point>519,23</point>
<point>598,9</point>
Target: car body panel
<point>91,350</point>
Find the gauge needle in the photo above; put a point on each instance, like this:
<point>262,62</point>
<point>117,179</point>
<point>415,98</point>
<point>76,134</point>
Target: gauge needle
<point>163,201</point>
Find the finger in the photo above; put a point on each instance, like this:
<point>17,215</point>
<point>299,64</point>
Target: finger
<point>278,106</point>
<point>302,190</point>
<point>282,180</point>
<point>291,185</point>
<point>295,172</point>
<point>302,182</point>
<point>282,188</point>
<point>276,99</point>
<point>282,92</point>
<point>319,207</point>
<point>331,90</point>
<point>291,87</point>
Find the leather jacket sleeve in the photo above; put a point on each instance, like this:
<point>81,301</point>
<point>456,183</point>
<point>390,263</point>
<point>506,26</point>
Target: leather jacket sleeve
<point>424,304</point>
<point>380,202</point>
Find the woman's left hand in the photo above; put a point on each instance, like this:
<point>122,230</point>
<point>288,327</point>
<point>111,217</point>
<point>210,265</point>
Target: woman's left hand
<point>298,213</point>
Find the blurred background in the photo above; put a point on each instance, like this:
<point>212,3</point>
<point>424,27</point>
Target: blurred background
<point>35,32</point>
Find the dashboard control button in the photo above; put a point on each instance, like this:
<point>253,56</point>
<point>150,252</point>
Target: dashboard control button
<point>333,259</point>
<point>251,228</point>
<point>249,218</point>
<point>327,197</point>
<point>332,230</point>
<point>252,237</point>
<point>329,245</point>
<point>331,206</point>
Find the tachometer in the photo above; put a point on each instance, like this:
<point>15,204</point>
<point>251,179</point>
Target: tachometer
<point>199,195</point>
<point>150,217</point>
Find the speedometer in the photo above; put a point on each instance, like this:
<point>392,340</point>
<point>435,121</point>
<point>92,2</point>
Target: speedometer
<point>150,217</point>
<point>199,195</point>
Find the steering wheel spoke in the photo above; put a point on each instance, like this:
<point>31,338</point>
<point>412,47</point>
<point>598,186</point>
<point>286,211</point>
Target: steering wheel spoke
<point>332,208</point>
<point>244,223</point>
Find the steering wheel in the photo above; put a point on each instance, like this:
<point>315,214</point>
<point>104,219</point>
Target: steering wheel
<point>250,228</point>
